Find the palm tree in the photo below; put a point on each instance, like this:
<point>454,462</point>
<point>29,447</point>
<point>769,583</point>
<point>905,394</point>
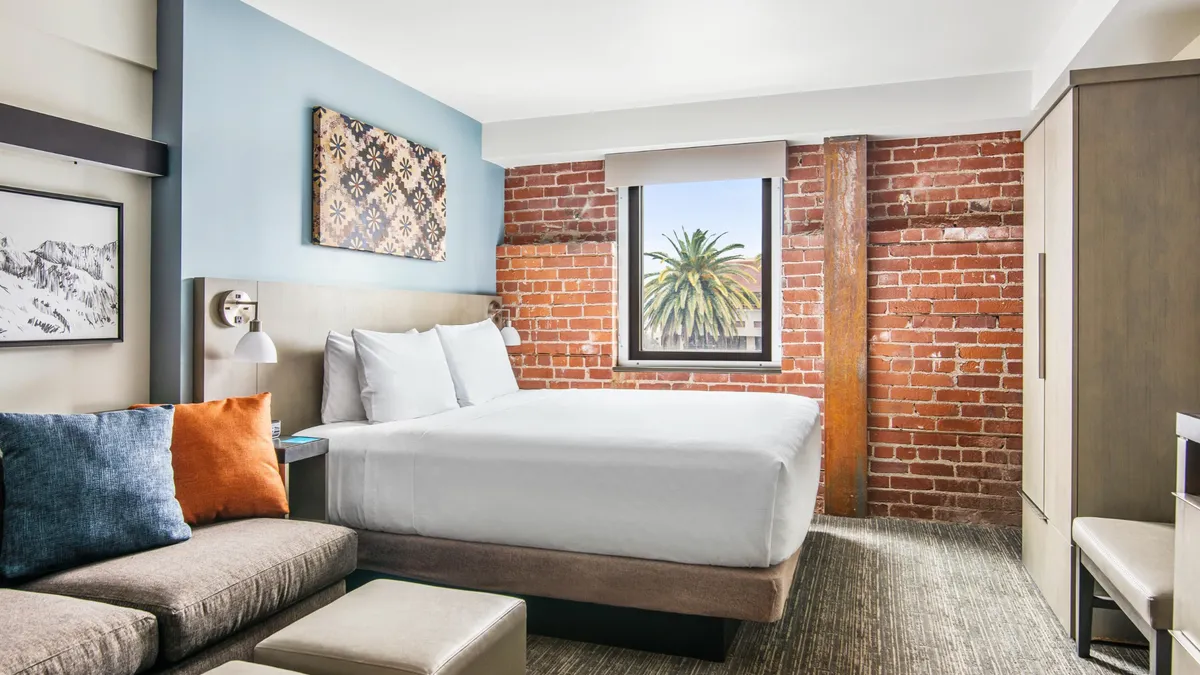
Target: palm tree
<point>698,296</point>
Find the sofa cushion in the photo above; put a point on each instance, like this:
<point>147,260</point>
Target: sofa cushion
<point>1135,560</point>
<point>79,488</point>
<point>226,577</point>
<point>52,634</point>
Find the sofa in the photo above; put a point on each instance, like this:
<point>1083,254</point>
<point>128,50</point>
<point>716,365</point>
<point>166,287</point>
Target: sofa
<point>183,608</point>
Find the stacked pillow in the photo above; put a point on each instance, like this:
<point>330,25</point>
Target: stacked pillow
<point>400,376</point>
<point>478,362</point>
<point>341,396</point>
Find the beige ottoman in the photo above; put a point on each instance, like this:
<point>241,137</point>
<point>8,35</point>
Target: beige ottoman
<point>243,668</point>
<point>390,627</point>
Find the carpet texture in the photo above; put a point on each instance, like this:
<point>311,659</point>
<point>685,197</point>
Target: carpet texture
<point>884,596</point>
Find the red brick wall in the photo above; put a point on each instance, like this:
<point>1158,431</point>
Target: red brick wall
<point>944,310</point>
<point>558,202</point>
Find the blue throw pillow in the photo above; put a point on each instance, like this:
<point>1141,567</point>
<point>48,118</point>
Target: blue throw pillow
<point>79,488</point>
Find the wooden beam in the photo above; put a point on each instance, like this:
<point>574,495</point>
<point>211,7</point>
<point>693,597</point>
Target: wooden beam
<point>846,326</point>
<point>46,133</point>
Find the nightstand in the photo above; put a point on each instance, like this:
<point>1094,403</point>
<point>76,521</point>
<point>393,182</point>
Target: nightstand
<point>302,462</point>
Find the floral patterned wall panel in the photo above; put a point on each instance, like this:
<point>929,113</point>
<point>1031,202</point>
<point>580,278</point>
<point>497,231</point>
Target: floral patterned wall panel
<point>374,191</point>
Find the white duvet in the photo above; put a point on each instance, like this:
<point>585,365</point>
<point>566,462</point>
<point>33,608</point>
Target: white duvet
<point>707,478</point>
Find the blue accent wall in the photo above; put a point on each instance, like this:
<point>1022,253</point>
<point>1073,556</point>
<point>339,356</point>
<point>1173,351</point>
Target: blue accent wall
<point>250,83</point>
<point>239,119</point>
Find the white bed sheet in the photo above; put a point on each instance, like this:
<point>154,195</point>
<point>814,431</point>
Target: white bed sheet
<point>713,478</point>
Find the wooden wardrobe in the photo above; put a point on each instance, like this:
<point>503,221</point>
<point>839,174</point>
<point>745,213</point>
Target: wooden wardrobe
<point>1112,306</point>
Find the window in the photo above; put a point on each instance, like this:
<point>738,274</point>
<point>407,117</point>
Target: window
<point>698,281</point>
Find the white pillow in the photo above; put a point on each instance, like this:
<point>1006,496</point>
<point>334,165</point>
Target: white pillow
<point>404,375</point>
<point>341,396</point>
<point>478,362</point>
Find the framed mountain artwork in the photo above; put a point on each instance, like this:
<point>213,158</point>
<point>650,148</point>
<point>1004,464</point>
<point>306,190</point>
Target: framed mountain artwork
<point>375,191</point>
<point>60,269</point>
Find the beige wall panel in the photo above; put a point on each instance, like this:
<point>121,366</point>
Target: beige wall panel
<point>66,379</point>
<point>1033,543</point>
<point>58,77</point>
<point>1033,386</point>
<point>1192,51</point>
<point>1047,554</point>
<point>1060,316</point>
<point>1060,577</point>
<point>215,374</point>
<point>298,317</point>
<point>1187,552</point>
<point>50,73</point>
<point>1183,660</point>
<point>120,28</point>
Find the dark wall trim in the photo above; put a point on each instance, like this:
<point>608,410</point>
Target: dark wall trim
<point>37,131</point>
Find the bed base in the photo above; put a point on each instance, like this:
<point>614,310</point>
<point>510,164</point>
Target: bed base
<point>652,605</point>
<point>698,637</point>
<point>744,593</point>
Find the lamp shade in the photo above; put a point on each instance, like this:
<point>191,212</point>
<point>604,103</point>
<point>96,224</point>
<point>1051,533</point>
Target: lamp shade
<point>256,346</point>
<point>511,337</point>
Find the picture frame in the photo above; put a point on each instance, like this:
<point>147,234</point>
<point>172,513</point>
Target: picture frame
<point>375,191</point>
<point>62,269</point>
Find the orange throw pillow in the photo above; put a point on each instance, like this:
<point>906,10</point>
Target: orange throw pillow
<point>224,460</point>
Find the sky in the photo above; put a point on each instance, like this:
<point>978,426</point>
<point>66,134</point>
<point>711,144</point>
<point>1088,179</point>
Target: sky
<point>733,206</point>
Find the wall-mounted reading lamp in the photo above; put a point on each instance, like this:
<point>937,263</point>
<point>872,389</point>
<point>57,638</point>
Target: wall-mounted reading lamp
<point>511,337</point>
<point>238,309</point>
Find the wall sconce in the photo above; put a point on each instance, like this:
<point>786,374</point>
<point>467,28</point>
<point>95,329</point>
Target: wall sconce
<point>511,337</point>
<point>238,309</point>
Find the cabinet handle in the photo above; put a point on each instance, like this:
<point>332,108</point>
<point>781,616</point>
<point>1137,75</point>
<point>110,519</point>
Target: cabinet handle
<point>1041,316</point>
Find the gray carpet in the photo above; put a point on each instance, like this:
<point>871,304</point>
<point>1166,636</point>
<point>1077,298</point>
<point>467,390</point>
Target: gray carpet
<point>884,596</point>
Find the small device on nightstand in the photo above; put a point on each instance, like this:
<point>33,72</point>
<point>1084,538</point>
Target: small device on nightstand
<point>302,459</point>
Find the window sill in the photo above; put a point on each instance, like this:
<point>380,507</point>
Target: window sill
<point>722,368</point>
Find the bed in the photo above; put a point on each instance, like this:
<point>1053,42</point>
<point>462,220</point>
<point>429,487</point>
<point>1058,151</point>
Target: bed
<point>653,520</point>
<point>689,477</point>
<point>688,503</point>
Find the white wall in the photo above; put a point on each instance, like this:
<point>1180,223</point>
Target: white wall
<point>960,105</point>
<point>67,58</point>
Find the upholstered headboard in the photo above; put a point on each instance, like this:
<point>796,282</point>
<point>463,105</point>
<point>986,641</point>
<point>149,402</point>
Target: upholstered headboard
<point>297,317</point>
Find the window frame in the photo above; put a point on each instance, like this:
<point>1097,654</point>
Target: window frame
<point>629,284</point>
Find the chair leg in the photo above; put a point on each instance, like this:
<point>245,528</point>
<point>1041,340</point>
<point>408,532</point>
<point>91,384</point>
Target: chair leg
<point>1160,653</point>
<point>1085,594</point>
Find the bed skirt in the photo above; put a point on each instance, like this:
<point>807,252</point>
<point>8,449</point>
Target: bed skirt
<point>744,593</point>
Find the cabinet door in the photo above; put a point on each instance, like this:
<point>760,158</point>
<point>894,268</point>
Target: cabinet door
<point>1060,316</point>
<point>1137,325</point>
<point>1033,384</point>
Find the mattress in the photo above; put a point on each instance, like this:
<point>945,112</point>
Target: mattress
<point>712,478</point>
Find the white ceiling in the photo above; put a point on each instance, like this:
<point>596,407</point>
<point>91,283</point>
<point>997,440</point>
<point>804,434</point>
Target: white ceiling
<point>514,59</point>
<point>556,80</point>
